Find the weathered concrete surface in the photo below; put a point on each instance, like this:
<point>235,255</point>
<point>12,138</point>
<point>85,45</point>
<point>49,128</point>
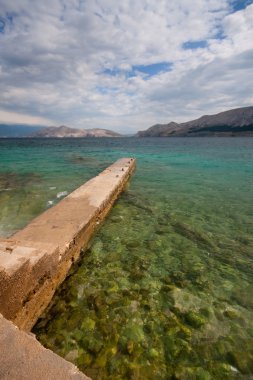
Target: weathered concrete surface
<point>34,261</point>
<point>24,358</point>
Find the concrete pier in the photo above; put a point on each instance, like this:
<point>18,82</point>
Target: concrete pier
<point>24,358</point>
<point>35,260</point>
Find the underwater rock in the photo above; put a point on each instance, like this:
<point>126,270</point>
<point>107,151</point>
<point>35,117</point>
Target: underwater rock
<point>231,314</point>
<point>113,298</point>
<point>194,319</point>
<point>185,332</point>
<point>138,202</point>
<point>80,291</point>
<point>202,283</point>
<point>184,300</point>
<point>191,234</point>
<point>61,194</point>
<point>134,332</point>
<point>202,374</point>
<point>97,247</point>
<point>97,303</point>
<point>244,297</point>
<point>137,273</point>
<point>191,373</point>
<point>13,180</point>
<point>116,219</point>
<point>149,327</point>
<point>168,288</point>
<point>241,360</point>
<point>95,345</point>
<point>101,359</point>
<point>179,279</point>
<point>72,355</point>
<point>171,348</point>
<point>82,160</point>
<point>133,244</point>
<point>153,353</point>
<point>84,359</point>
<point>162,230</point>
<point>88,324</point>
<point>130,346</point>
<point>112,287</point>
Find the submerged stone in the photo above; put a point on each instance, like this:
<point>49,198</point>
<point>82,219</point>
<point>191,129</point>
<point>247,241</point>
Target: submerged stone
<point>134,332</point>
<point>153,353</point>
<point>202,374</point>
<point>130,346</point>
<point>231,314</point>
<point>72,355</point>
<point>194,319</point>
<point>88,324</point>
<point>241,360</point>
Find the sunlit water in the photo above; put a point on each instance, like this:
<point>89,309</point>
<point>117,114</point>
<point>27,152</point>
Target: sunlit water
<point>165,289</point>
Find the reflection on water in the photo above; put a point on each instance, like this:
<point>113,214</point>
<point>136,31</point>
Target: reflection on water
<point>165,289</point>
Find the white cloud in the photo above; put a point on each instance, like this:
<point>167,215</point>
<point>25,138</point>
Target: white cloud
<point>17,118</point>
<point>54,55</point>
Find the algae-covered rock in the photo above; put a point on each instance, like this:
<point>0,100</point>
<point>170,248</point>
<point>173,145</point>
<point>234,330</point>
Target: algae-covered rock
<point>231,314</point>
<point>133,244</point>
<point>97,248</point>
<point>84,359</point>
<point>149,327</point>
<point>94,345</point>
<point>88,324</point>
<point>184,373</point>
<point>153,353</point>
<point>134,332</point>
<point>185,332</point>
<point>171,348</point>
<point>130,346</point>
<point>116,218</point>
<point>168,288</point>
<point>112,287</point>
<point>206,312</point>
<point>194,319</point>
<point>72,355</point>
<point>202,374</point>
<point>225,371</point>
<point>241,360</point>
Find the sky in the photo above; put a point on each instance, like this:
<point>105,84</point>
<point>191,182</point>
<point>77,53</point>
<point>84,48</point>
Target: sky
<point>123,65</point>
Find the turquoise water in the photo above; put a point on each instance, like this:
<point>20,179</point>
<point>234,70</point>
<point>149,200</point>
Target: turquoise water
<point>165,289</point>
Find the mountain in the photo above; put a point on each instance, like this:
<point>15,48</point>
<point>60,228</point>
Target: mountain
<point>64,131</point>
<point>18,130</point>
<point>235,122</point>
<point>160,130</point>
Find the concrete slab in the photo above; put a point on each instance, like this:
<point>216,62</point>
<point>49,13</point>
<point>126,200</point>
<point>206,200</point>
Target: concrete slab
<point>24,358</point>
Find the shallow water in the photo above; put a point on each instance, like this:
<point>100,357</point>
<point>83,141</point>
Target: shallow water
<point>165,289</point>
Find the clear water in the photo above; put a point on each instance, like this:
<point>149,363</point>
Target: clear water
<point>165,289</point>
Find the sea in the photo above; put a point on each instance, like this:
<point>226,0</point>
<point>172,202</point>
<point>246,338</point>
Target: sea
<point>165,288</point>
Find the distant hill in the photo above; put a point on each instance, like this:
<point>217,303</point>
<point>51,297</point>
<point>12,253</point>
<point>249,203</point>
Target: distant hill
<point>63,131</point>
<point>18,130</point>
<point>235,122</point>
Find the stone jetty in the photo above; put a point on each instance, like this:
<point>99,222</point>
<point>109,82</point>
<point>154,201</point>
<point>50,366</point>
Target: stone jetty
<point>35,260</point>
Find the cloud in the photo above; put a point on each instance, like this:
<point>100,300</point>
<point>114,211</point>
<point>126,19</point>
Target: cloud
<point>17,118</point>
<point>124,65</point>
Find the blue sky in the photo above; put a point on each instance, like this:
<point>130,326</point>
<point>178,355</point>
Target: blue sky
<point>123,65</point>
